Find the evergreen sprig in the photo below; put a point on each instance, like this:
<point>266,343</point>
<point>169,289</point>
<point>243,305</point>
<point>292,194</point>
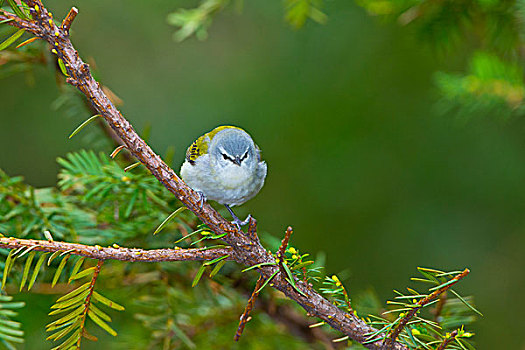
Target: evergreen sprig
<point>336,291</point>
<point>490,84</point>
<point>407,322</point>
<point>196,21</point>
<point>79,305</point>
<point>299,11</point>
<point>10,331</point>
<point>490,33</point>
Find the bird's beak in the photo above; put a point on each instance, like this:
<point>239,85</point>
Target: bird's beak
<point>237,160</point>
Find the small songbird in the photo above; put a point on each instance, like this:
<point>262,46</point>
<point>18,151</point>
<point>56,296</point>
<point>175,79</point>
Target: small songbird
<point>225,165</point>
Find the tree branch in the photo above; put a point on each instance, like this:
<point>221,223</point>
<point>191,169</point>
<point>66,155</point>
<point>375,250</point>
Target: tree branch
<point>116,253</point>
<point>246,249</point>
<point>245,317</point>
<point>450,337</point>
<point>420,304</point>
<point>284,243</point>
<point>70,17</point>
<point>87,302</point>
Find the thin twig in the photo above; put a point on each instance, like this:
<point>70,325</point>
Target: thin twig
<point>439,307</point>
<point>447,340</point>
<point>305,275</point>
<point>347,298</point>
<point>70,17</point>
<point>287,315</point>
<point>246,314</point>
<point>390,341</point>
<point>284,242</point>
<point>252,229</point>
<point>116,252</point>
<point>87,302</point>
<point>116,151</point>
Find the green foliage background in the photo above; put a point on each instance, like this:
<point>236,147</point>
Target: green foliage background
<point>366,160</point>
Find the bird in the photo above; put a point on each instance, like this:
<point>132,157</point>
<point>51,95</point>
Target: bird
<point>224,165</point>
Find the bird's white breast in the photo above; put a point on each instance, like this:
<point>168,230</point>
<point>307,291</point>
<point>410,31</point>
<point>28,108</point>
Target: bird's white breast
<point>232,185</point>
<point>233,176</point>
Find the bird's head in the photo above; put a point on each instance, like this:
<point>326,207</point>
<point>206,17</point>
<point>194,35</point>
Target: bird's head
<point>234,147</point>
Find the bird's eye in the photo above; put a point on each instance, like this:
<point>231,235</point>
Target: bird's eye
<point>227,157</point>
<point>244,156</point>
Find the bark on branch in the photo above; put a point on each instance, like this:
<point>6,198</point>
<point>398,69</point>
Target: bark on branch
<point>116,253</point>
<point>245,249</point>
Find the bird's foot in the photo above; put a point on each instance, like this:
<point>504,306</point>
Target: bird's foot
<point>239,223</point>
<point>236,221</point>
<point>202,199</point>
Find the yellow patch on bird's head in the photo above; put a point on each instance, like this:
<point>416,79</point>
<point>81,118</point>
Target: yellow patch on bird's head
<point>200,146</point>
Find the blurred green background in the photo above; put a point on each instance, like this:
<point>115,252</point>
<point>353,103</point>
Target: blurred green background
<point>362,163</point>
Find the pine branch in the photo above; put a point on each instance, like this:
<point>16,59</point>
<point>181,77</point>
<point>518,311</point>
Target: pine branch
<point>116,253</point>
<point>245,249</point>
<point>390,341</point>
<point>75,307</point>
<point>245,317</point>
<point>87,301</point>
<point>450,337</point>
